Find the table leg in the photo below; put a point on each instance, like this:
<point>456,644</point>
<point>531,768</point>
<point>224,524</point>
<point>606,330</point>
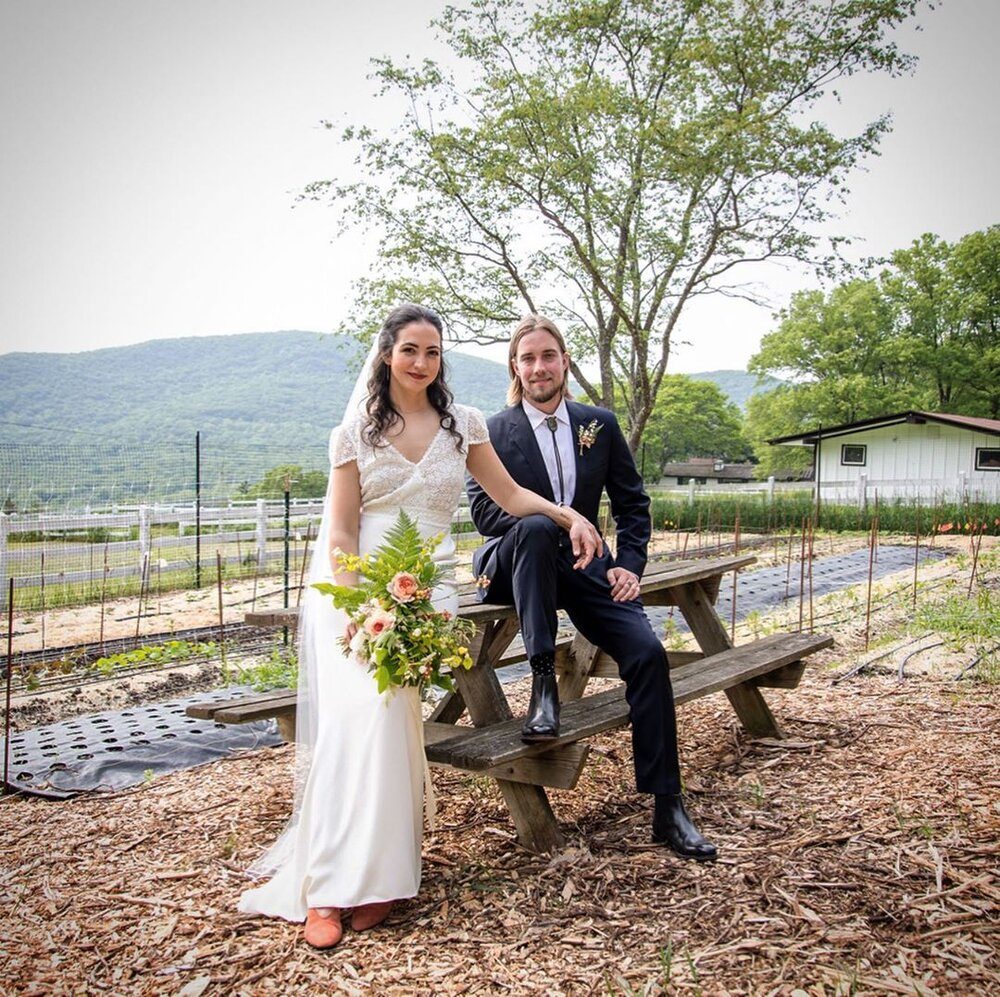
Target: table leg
<point>480,688</point>
<point>745,698</point>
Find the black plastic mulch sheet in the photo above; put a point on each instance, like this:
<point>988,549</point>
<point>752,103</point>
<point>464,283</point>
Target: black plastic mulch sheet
<point>110,751</point>
<point>766,589</point>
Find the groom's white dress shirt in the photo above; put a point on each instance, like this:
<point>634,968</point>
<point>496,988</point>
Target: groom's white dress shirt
<point>563,439</point>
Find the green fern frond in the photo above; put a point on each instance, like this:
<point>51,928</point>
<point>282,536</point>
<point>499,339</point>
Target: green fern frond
<point>401,546</point>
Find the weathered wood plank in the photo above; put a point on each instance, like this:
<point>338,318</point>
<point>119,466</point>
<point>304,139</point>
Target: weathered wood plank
<point>655,590</point>
<point>558,769</point>
<point>480,749</point>
<point>207,711</point>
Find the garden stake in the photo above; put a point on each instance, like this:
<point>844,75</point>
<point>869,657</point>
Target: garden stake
<point>736,575</point>
<point>686,536</point>
<point>871,563</point>
<point>916,559</point>
<point>104,586</point>
<point>43,599</point>
<point>256,575</point>
<point>876,520</point>
<point>802,572</point>
<point>142,588</point>
<point>697,529</point>
<point>975,557</point>
<point>788,570</point>
<point>284,630</point>
<point>10,667</point>
<point>305,558</point>
<point>812,540</point>
<point>222,621</point>
<point>239,550</point>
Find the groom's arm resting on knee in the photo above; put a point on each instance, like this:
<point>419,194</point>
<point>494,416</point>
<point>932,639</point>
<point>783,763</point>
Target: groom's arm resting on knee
<point>630,511</point>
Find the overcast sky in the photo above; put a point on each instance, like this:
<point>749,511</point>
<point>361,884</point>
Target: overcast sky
<point>151,152</point>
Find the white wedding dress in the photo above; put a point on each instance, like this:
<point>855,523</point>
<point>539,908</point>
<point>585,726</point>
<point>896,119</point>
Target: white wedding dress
<point>357,834</point>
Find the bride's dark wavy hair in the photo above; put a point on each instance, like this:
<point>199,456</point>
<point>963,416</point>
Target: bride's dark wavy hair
<point>382,414</point>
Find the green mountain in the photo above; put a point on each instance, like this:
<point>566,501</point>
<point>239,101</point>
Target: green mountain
<point>738,385</point>
<point>118,425</point>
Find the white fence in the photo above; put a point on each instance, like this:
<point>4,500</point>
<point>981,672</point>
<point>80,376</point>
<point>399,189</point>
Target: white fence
<point>62,548</point>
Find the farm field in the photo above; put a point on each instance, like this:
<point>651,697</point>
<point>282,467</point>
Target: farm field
<point>858,855</point>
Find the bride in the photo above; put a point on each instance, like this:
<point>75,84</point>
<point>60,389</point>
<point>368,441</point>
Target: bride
<point>353,842</point>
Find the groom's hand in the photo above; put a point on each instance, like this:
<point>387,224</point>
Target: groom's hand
<point>586,542</point>
<point>624,585</point>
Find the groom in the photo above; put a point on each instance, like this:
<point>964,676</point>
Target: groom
<point>571,453</point>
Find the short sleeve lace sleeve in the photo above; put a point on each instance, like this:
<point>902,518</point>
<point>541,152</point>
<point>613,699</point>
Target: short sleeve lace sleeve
<point>478,433</point>
<point>343,444</point>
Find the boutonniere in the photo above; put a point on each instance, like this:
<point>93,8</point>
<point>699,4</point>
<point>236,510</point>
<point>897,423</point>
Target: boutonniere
<point>587,435</point>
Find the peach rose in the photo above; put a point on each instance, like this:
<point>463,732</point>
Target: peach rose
<point>404,587</point>
<point>378,622</point>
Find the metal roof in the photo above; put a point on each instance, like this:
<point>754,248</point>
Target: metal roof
<point>990,426</point>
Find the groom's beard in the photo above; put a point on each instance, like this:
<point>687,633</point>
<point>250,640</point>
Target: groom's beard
<point>543,392</point>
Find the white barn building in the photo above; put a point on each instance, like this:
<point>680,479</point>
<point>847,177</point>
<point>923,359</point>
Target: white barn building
<point>927,455</point>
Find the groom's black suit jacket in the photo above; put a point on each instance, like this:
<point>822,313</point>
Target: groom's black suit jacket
<point>606,465</point>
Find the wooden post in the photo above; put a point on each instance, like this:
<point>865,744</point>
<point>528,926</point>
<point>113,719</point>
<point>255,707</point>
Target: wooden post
<point>529,806</point>
<point>916,557</point>
<point>746,700</point>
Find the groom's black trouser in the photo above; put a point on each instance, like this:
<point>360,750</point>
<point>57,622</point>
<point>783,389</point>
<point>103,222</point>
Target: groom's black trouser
<point>534,570</point>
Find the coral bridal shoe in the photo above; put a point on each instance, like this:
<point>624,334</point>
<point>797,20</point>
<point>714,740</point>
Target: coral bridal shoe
<point>368,915</point>
<point>323,931</point>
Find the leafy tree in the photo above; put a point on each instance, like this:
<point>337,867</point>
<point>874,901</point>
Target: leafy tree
<point>843,351</point>
<point>300,483</point>
<point>925,335</point>
<point>692,419</point>
<point>974,267</point>
<point>607,162</point>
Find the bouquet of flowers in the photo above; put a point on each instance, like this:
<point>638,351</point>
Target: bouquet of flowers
<point>401,636</point>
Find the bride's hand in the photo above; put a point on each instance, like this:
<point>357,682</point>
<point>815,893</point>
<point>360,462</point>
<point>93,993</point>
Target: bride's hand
<point>350,631</point>
<point>585,539</point>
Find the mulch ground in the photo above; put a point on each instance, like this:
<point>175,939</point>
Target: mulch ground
<point>861,854</point>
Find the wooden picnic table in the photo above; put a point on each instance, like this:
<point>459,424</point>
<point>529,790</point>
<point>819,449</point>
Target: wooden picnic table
<point>492,744</point>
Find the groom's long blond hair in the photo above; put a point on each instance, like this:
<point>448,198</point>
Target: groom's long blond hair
<point>531,323</point>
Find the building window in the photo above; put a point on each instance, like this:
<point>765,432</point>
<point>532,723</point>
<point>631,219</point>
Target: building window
<point>854,454</point>
<point>988,458</point>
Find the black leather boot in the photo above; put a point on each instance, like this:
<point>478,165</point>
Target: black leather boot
<point>542,722</point>
<point>672,827</point>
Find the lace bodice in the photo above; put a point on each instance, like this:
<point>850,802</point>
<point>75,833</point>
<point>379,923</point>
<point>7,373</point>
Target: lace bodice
<point>389,481</point>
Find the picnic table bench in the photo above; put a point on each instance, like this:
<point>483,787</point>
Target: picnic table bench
<point>492,746</point>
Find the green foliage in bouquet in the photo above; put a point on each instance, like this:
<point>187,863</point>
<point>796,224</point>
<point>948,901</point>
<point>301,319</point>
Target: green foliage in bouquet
<point>402,637</point>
